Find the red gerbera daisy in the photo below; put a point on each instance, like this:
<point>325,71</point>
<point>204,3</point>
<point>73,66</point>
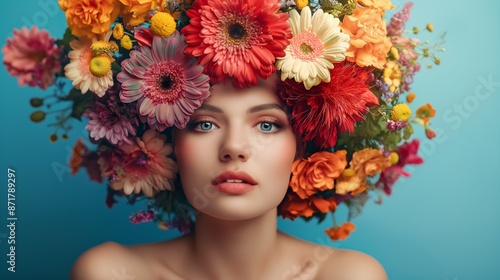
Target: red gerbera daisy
<point>322,112</point>
<point>237,39</point>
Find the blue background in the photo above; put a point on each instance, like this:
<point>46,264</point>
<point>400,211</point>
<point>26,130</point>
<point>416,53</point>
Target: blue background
<point>440,224</point>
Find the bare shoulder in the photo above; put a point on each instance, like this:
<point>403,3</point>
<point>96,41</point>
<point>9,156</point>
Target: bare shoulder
<point>109,261</point>
<point>350,265</point>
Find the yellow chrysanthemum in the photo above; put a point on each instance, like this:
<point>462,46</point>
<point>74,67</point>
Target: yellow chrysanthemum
<point>126,43</point>
<point>101,47</point>
<point>301,4</point>
<point>100,66</point>
<point>163,24</point>
<point>118,31</point>
<point>401,112</point>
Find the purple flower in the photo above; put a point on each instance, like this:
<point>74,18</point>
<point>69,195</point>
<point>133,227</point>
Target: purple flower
<point>111,119</point>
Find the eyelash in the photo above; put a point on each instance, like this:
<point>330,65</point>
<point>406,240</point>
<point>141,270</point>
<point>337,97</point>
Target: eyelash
<point>193,126</point>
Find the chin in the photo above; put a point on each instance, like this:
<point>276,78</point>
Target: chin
<point>237,208</point>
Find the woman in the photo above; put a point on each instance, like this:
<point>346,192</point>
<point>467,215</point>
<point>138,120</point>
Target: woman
<point>237,134</point>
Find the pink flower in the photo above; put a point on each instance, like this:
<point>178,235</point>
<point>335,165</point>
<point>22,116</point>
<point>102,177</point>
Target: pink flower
<point>237,39</point>
<point>110,119</point>
<point>33,57</point>
<point>140,167</point>
<point>167,84</point>
<point>407,155</point>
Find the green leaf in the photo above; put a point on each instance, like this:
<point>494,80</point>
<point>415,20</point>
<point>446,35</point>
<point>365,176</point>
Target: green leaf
<point>80,102</point>
<point>356,204</point>
<point>408,131</point>
<point>64,42</point>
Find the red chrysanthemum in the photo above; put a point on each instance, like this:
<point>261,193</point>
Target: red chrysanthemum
<point>324,111</point>
<point>237,39</point>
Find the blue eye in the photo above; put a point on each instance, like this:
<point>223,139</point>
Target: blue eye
<point>205,126</point>
<point>269,126</point>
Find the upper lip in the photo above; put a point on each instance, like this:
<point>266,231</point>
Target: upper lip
<point>234,175</point>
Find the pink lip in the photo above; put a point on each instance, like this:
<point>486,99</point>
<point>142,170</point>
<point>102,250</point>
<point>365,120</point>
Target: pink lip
<point>234,188</point>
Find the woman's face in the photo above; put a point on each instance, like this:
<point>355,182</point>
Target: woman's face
<point>239,131</point>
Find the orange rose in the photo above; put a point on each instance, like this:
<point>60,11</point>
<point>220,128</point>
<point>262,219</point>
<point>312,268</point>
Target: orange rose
<point>293,206</point>
<point>369,44</point>
<point>317,173</point>
<point>384,5</point>
<point>368,162</point>
<point>90,18</point>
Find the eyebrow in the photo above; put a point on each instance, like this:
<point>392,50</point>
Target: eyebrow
<point>253,109</point>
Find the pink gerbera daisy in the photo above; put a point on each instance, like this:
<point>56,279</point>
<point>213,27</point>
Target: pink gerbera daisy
<point>324,111</point>
<point>141,167</point>
<point>167,84</point>
<point>32,56</point>
<point>237,39</point>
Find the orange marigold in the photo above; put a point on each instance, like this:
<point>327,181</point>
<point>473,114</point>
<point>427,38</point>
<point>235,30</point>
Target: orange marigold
<point>90,18</point>
<point>340,232</point>
<point>384,5</point>
<point>317,173</point>
<point>369,44</point>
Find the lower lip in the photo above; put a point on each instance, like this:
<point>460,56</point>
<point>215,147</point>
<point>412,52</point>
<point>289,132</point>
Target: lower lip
<point>234,188</point>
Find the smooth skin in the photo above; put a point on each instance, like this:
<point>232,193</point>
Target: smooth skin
<point>236,236</point>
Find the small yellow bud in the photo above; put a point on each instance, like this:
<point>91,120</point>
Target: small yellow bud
<point>37,116</point>
<point>426,52</point>
<point>415,30</point>
<point>430,27</point>
<point>393,158</point>
<point>437,60</point>
<point>36,102</point>
<point>163,226</point>
<point>118,31</point>
<point>395,53</point>
<point>348,172</point>
<point>53,137</point>
<point>126,43</point>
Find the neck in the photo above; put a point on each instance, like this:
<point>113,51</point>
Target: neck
<point>235,249</point>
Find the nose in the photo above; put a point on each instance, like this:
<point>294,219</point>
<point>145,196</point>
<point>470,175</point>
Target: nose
<point>235,146</point>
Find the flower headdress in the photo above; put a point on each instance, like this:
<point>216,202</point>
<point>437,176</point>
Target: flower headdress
<point>140,68</point>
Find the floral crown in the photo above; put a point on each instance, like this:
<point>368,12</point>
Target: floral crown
<point>139,68</point>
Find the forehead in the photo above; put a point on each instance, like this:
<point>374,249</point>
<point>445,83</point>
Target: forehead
<point>227,94</point>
